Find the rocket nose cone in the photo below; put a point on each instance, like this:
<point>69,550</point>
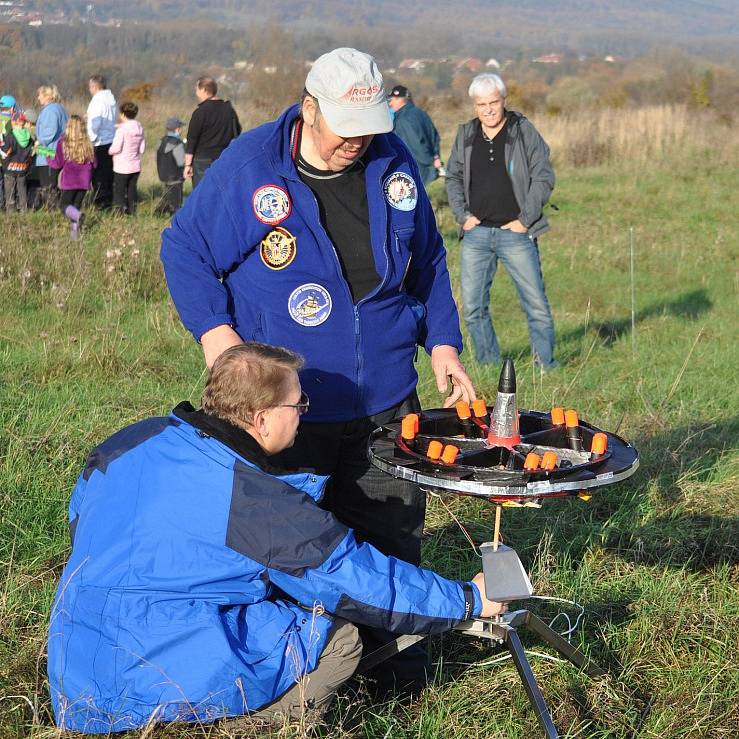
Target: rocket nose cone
<point>507,381</point>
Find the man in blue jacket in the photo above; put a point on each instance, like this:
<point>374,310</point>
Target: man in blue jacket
<point>417,131</point>
<point>313,232</point>
<point>204,582</point>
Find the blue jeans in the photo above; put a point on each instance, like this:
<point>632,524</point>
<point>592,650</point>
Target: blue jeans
<point>481,248</point>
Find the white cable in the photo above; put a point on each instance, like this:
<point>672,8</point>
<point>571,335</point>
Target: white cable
<point>505,657</point>
<point>571,627</point>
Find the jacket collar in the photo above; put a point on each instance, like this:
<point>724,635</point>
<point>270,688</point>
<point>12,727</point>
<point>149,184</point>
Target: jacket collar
<point>232,436</point>
<point>473,125</point>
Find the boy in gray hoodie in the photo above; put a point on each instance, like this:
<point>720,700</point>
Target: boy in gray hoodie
<point>170,167</point>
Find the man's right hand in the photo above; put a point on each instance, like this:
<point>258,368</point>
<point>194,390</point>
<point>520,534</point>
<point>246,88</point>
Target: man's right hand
<point>470,223</point>
<point>187,172</point>
<point>216,341</point>
<point>489,607</point>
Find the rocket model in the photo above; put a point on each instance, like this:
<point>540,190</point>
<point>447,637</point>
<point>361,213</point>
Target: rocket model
<point>504,418</point>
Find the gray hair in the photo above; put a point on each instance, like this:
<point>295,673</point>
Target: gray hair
<point>486,83</point>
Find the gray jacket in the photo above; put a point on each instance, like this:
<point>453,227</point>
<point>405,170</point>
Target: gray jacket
<point>527,160</point>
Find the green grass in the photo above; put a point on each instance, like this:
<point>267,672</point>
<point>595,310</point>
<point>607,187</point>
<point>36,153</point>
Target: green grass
<point>89,342</point>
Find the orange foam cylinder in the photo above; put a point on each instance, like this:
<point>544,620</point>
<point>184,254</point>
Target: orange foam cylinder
<point>549,461</point>
<point>449,455</point>
<point>409,426</point>
<point>434,450</point>
<point>479,408</point>
<point>558,416</point>
<point>571,419</point>
<point>599,444</point>
<point>532,462</point>
<point>463,410</point>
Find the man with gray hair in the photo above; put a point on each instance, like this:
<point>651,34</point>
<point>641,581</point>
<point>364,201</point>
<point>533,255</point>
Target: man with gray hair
<point>499,178</point>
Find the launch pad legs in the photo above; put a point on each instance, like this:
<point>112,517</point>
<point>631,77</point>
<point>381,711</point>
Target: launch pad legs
<point>503,630</point>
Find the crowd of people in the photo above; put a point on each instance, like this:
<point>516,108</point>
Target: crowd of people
<point>51,159</point>
<point>221,555</point>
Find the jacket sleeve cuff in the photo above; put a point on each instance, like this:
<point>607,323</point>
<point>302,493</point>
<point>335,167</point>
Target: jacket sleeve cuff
<point>472,600</point>
<point>432,341</point>
<point>220,319</point>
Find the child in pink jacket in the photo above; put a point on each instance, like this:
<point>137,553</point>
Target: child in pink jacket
<point>127,147</point>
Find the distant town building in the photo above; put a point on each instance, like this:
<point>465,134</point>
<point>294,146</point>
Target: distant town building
<point>548,59</point>
<point>413,64</point>
<point>471,63</point>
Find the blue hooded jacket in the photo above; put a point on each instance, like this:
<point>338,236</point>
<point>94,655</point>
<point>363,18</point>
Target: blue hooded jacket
<point>272,273</point>
<point>201,585</point>
<point>52,120</point>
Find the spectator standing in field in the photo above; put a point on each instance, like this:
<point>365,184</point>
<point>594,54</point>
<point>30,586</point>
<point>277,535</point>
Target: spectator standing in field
<point>417,131</point>
<point>33,183</point>
<point>52,118</point>
<point>17,154</point>
<point>7,110</point>
<point>75,157</point>
<point>170,167</point>
<point>102,113</point>
<point>499,178</point>
<point>127,147</point>
<point>213,125</point>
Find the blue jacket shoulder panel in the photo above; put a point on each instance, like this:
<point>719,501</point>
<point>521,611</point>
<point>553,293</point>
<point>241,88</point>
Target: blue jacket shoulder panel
<point>123,441</point>
<point>277,525</point>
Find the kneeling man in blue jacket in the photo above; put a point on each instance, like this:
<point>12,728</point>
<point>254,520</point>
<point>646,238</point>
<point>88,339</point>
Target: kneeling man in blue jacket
<point>204,582</point>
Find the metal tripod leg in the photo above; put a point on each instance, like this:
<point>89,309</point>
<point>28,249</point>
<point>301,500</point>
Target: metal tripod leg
<point>529,683</point>
<point>573,654</point>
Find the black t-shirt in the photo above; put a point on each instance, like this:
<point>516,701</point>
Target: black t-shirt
<point>491,193</point>
<point>344,210</point>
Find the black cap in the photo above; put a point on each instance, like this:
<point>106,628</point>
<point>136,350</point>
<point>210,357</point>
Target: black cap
<point>507,381</point>
<point>399,91</point>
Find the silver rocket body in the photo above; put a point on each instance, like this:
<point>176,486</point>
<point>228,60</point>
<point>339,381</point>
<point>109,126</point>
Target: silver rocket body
<point>504,418</point>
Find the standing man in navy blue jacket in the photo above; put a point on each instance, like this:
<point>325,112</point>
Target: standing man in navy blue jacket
<point>314,232</point>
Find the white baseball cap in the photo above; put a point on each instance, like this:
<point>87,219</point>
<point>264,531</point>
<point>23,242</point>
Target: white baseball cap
<point>349,88</point>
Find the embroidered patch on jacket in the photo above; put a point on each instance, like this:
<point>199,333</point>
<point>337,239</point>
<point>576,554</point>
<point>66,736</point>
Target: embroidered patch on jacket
<point>278,248</point>
<point>271,204</point>
<point>401,191</point>
<point>309,304</point>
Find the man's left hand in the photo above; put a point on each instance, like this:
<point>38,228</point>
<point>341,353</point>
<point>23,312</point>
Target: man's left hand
<point>446,366</point>
<point>515,226</point>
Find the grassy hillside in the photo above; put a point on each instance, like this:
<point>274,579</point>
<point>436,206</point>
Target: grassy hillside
<point>89,342</point>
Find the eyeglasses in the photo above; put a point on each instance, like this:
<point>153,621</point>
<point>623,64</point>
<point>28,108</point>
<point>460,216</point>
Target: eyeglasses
<point>301,406</point>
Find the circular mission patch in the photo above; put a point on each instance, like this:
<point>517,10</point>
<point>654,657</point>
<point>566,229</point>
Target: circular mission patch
<point>271,204</point>
<point>309,304</point>
<point>401,191</point>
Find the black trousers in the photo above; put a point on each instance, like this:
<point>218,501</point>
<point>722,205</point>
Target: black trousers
<point>124,192</point>
<point>171,200</point>
<point>199,165</point>
<point>71,197</point>
<point>383,510</point>
<point>102,177</point>
<point>49,192</point>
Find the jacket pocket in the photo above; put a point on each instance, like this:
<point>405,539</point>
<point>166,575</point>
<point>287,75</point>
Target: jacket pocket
<point>402,254</point>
